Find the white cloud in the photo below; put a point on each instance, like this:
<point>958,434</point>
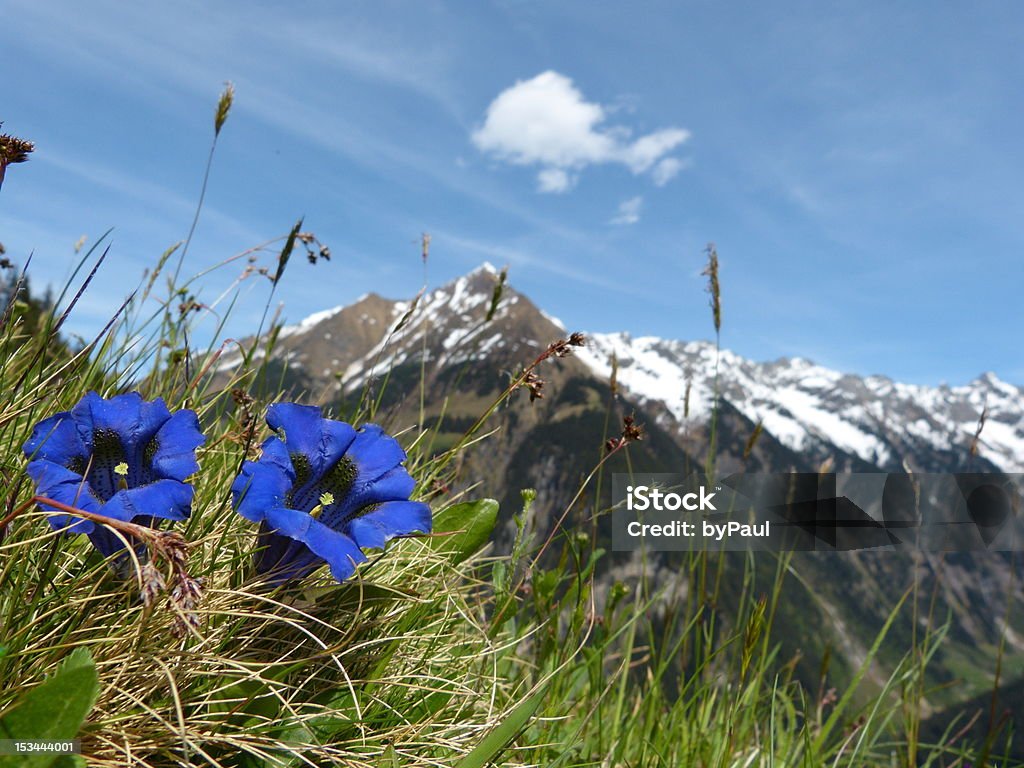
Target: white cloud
<point>647,150</point>
<point>666,170</point>
<point>546,122</point>
<point>629,211</point>
<point>555,180</point>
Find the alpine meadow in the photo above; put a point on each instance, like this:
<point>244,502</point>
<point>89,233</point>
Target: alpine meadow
<point>381,536</point>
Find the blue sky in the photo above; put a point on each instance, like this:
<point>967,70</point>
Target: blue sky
<point>859,165</point>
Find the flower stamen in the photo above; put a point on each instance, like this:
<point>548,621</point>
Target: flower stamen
<point>326,499</point>
<point>122,471</point>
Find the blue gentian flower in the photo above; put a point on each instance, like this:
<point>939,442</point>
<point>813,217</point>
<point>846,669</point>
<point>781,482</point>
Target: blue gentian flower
<point>124,458</point>
<point>325,492</point>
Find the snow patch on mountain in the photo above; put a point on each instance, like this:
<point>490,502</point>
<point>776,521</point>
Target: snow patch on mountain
<point>799,402</point>
<point>309,323</point>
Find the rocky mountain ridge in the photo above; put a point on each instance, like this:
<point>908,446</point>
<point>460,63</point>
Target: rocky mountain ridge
<point>872,421</point>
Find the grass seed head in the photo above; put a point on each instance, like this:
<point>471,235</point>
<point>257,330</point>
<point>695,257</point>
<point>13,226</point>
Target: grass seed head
<point>14,150</point>
<point>714,288</point>
<point>227,98</point>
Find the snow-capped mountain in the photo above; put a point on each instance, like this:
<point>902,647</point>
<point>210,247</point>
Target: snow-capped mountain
<point>809,409</point>
<point>344,346</point>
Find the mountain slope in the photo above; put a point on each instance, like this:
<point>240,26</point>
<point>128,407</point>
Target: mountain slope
<point>439,362</point>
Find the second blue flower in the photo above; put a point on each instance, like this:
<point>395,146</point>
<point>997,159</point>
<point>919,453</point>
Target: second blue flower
<point>323,491</point>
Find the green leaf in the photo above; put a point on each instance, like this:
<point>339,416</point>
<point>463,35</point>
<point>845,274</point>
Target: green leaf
<point>53,710</point>
<point>494,743</point>
<point>464,528</point>
<point>544,585</point>
<point>391,758</point>
<point>500,576</point>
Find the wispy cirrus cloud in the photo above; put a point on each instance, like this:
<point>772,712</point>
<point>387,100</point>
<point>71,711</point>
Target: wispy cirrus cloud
<point>628,211</point>
<point>527,258</point>
<point>546,122</point>
<point>666,169</point>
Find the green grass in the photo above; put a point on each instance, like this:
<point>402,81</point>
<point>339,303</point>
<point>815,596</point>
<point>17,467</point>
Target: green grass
<point>438,653</point>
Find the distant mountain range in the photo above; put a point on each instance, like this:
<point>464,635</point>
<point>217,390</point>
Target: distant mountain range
<point>813,411</point>
<point>446,356</point>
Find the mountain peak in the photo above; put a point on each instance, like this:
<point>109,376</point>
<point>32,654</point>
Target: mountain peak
<point>989,379</point>
<point>479,279</point>
<point>485,268</point>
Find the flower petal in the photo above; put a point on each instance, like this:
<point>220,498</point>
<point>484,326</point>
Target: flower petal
<point>300,424</point>
<point>374,453</point>
<point>133,419</point>
<point>337,549</point>
<point>263,484</point>
<point>108,542</point>
<point>341,552</point>
<point>394,518</point>
<point>166,499</point>
<point>176,442</point>
<point>307,433</point>
<point>395,485</point>
<point>61,484</point>
<point>337,438</point>
<point>282,559</point>
<point>56,439</point>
